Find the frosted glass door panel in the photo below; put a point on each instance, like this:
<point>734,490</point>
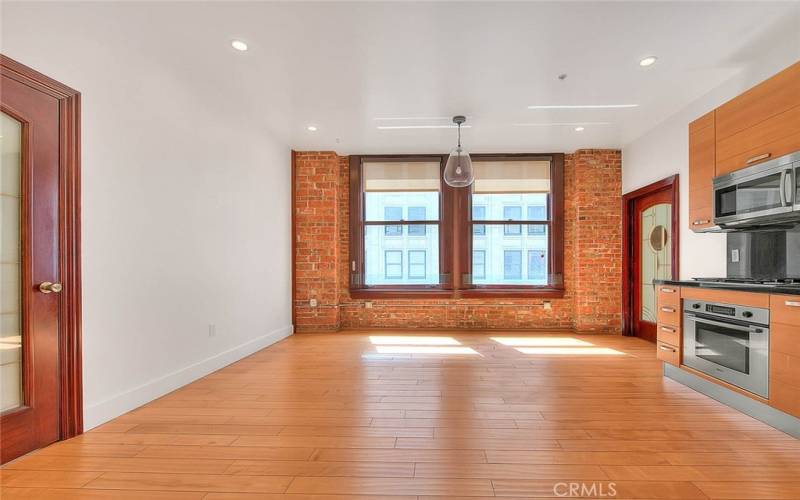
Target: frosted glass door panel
<point>656,254</point>
<point>10,259</point>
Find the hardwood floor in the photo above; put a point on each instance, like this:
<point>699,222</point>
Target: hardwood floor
<point>334,417</point>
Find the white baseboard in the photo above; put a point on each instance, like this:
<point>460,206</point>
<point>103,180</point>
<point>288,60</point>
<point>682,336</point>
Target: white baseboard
<point>99,413</point>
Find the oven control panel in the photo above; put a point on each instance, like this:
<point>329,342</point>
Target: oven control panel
<point>747,314</point>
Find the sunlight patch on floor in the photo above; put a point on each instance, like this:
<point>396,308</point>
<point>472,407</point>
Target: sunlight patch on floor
<point>423,349</point>
<point>581,351</point>
<point>412,340</point>
<point>540,341</point>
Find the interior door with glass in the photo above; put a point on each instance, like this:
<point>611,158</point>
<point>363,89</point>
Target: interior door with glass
<point>651,257</point>
<point>29,271</point>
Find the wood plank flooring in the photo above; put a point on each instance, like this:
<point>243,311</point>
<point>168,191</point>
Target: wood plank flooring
<point>334,417</point>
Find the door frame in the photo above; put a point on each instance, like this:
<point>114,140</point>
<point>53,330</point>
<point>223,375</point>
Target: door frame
<point>69,349</point>
<point>628,200</point>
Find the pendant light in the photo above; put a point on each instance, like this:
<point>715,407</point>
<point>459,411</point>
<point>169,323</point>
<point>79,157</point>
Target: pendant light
<point>458,171</point>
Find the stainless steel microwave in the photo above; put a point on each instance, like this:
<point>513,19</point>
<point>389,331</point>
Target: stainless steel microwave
<point>764,194</point>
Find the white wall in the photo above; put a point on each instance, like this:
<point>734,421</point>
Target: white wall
<point>664,151</point>
<point>186,213</point>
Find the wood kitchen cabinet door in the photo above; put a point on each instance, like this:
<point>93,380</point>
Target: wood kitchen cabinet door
<point>760,124</point>
<point>702,157</point>
<point>784,354</point>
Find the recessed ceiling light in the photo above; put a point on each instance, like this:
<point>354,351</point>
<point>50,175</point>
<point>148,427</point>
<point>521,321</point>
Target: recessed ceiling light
<point>648,61</point>
<point>579,129</point>
<point>584,106</point>
<point>311,128</point>
<point>239,45</point>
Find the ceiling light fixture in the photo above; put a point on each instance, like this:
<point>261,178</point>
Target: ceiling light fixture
<point>458,171</point>
<point>311,128</point>
<point>584,106</point>
<point>400,127</point>
<point>648,61</point>
<point>239,45</point>
<point>579,129</point>
<point>559,124</point>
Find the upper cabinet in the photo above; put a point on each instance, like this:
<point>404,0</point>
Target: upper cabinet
<point>701,171</point>
<point>758,125</point>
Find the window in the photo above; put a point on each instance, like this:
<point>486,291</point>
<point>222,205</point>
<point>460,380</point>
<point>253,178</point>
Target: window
<point>523,200</point>
<point>416,264</point>
<point>478,213</point>
<point>478,264</point>
<point>393,264</point>
<point>536,212</point>
<point>404,221</point>
<point>512,213</point>
<point>396,212</point>
<point>512,265</point>
<point>415,214</point>
<point>393,213</point>
<point>537,265</point>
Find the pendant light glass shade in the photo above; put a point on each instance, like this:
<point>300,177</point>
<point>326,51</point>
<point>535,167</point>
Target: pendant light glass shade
<point>458,171</point>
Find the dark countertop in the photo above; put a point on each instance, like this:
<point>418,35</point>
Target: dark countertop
<point>789,290</point>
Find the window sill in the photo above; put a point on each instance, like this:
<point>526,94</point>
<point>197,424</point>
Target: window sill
<point>400,293</point>
<point>513,292</point>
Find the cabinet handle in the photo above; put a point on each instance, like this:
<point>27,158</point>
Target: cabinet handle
<point>665,348</point>
<point>700,222</point>
<point>757,158</point>
<point>792,303</point>
<point>667,329</point>
<point>668,290</point>
<point>668,309</point>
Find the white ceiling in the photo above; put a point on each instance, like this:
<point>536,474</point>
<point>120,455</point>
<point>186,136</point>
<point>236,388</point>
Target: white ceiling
<point>339,66</point>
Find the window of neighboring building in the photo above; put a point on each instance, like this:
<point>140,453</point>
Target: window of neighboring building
<point>537,212</point>
<point>416,264</point>
<point>415,214</point>
<point>393,213</point>
<point>512,264</point>
<point>537,265</point>
<point>393,264</point>
<point>512,213</point>
<point>478,213</point>
<point>478,264</point>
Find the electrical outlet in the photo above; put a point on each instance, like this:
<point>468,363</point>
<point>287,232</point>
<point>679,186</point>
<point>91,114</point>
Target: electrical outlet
<point>368,305</point>
<point>212,330</point>
<point>313,303</point>
<point>547,305</point>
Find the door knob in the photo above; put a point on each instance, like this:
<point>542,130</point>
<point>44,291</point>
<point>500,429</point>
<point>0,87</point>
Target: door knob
<point>48,287</point>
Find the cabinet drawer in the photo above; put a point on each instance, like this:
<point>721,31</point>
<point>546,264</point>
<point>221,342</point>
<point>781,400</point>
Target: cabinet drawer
<point>669,295</point>
<point>785,309</point>
<point>767,99</point>
<point>772,138</point>
<point>668,353</point>
<point>669,315</point>
<point>669,334</point>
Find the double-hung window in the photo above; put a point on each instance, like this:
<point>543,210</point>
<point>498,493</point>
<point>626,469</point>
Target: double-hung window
<point>395,232</point>
<point>521,224</point>
<point>412,235</point>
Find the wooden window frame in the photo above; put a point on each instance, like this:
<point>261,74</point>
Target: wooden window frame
<point>455,225</point>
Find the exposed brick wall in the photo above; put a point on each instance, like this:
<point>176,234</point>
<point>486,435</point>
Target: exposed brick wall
<point>592,260</point>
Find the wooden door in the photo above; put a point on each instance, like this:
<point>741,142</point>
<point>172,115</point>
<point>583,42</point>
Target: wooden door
<point>35,227</point>
<point>651,257</point>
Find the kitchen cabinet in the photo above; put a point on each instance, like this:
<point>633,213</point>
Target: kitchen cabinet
<point>701,171</point>
<point>784,363</point>
<point>668,328</point>
<point>761,124</point>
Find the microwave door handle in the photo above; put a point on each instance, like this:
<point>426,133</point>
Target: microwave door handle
<point>783,189</point>
<point>719,323</point>
<point>789,193</point>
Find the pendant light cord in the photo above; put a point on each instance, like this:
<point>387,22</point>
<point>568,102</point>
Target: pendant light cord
<point>459,136</point>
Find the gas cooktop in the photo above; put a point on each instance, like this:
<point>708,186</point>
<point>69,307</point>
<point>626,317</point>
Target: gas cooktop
<point>750,282</point>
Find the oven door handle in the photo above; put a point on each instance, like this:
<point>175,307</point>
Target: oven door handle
<point>751,329</point>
